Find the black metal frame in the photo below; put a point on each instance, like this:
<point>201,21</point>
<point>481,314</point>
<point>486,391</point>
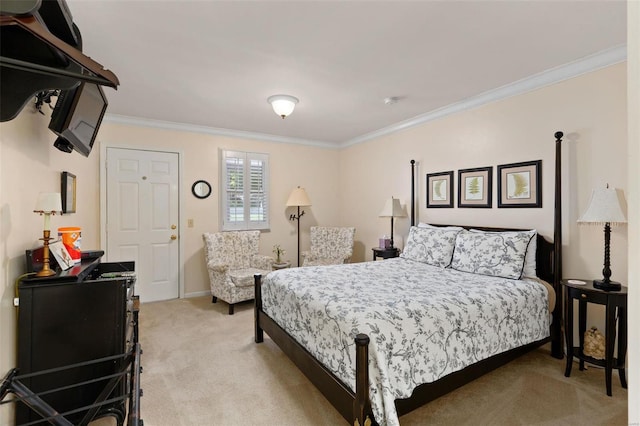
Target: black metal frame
<point>130,369</point>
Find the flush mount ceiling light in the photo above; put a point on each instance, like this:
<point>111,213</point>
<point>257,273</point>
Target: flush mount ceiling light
<point>283,105</point>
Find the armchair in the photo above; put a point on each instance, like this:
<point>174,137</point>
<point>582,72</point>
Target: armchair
<point>329,246</point>
<point>232,259</point>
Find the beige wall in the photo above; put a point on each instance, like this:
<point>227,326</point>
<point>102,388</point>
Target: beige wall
<point>590,110</point>
<point>349,186</point>
<point>315,169</point>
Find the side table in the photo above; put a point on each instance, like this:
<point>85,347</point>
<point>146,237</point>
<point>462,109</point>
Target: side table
<point>282,265</point>
<point>385,253</point>
<point>615,301</point>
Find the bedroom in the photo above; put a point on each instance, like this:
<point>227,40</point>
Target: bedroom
<point>339,181</point>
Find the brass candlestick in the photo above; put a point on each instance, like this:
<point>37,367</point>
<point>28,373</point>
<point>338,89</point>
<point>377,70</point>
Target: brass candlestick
<point>46,268</point>
<point>48,204</point>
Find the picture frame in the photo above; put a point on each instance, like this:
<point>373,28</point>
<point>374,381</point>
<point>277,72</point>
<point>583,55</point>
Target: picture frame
<point>440,189</point>
<point>475,187</point>
<point>520,184</point>
<point>61,254</point>
<point>68,191</point>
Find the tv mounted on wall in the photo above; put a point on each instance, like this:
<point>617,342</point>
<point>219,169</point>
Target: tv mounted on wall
<point>77,116</point>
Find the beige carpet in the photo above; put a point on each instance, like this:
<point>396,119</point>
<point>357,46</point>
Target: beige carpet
<point>201,367</point>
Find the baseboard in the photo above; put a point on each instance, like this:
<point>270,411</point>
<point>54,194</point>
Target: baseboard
<point>197,294</point>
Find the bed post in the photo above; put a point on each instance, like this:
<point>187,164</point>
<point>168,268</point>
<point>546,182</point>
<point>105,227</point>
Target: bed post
<point>557,350</point>
<point>413,192</point>
<point>259,333</point>
<point>362,404</point>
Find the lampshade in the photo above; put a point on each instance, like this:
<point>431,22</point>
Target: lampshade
<point>282,105</point>
<point>606,206</point>
<point>298,197</point>
<point>48,202</point>
<point>392,208</point>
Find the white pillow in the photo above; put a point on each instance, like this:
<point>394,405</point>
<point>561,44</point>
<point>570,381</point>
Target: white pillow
<point>433,246</point>
<point>530,258</point>
<point>499,254</point>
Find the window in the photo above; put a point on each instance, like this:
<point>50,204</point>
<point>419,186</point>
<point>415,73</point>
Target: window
<point>245,190</point>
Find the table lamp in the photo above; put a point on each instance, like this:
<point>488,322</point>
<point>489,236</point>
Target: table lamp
<point>392,208</point>
<point>605,207</point>
<point>48,203</point>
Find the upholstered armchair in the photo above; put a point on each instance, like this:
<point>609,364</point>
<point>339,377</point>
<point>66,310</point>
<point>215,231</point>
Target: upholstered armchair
<point>232,259</point>
<point>329,246</point>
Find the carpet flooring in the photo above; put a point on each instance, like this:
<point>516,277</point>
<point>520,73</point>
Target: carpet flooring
<point>202,367</point>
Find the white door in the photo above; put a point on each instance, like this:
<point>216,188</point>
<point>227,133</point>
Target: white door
<point>142,218</point>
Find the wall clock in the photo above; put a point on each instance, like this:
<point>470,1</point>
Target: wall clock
<point>201,189</point>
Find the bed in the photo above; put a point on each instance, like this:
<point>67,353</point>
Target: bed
<point>380,339</point>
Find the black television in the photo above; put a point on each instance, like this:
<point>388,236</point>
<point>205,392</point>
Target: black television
<point>77,116</point>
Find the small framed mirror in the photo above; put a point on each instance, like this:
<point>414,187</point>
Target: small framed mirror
<point>201,189</point>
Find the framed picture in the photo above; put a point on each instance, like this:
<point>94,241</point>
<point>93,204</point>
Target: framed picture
<point>520,184</point>
<point>68,191</point>
<point>61,254</point>
<point>474,187</point>
<point>440,189</point>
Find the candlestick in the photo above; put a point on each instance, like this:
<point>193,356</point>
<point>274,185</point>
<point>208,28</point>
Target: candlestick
<point>48,203</point>
<point>46,269</point>
<point>47,221</point>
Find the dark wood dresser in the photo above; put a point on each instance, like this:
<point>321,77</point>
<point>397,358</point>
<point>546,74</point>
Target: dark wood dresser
<point>86,313</point>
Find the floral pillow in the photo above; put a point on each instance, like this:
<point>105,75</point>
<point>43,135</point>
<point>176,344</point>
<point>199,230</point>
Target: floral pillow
<point>530,258</point>
<point>433,246</point>
<point>498,254</point>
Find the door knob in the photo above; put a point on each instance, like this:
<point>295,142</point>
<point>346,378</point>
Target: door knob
<point>174,237</point>
<point>173,227</point>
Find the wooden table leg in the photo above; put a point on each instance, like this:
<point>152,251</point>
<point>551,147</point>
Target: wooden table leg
<point>568,330</point>
<point>622,345</point>
<point>610,339</point>
<point>582,327</point>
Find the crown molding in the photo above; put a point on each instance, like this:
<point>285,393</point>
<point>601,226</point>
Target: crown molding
<point>573,69</point>
<point>581,66</point>
<point>215,131</point>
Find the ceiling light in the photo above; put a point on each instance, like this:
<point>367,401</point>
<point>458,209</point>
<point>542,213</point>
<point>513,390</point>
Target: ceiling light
<point>283,105</point>
<point>391,100</point>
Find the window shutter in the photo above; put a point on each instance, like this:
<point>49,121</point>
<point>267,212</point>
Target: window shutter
<point>258,191</point>
<point>245,194</point>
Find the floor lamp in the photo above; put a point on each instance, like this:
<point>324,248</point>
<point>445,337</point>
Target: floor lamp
<point>298,198</point>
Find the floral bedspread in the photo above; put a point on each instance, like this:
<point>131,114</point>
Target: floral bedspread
<point>424,322</point>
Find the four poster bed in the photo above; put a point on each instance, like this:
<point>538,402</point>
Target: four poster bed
<point>380,339</point>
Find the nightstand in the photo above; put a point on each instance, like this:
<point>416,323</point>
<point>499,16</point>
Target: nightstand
<point>282,265</point>
<point>385,253</point>
<point>615,302</point>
